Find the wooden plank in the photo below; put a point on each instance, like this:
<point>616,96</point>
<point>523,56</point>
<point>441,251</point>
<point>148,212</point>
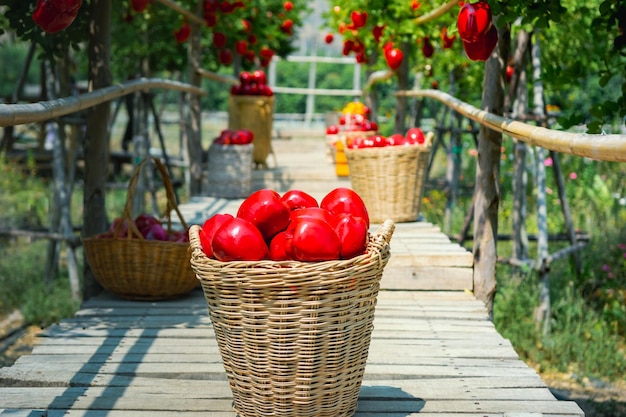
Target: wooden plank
<point>60,346</point>
<point>138,413</point>
<point>112,398</point>
<point>460,357</point>
<point>480,384</point>
<point>211,370</point>
<point>115,413</point>
<point>427,278</point>
<point>427,390</point>
<point>430,390</point>
<point>431,259</point>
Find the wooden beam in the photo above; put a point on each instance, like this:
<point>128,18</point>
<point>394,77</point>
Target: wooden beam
<point>610,148</point>
<point>437,12</point>
<point>19,114</point>
<point>316,91</point>
<point>217,77</point>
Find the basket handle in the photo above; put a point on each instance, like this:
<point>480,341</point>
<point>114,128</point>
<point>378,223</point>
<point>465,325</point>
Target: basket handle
<point>385,231</point>
<point>429,139</point>
<point>132,186</point>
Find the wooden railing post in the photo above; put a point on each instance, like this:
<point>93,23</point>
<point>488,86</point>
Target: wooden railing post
<point>96,143</point>
<point>194,129</point>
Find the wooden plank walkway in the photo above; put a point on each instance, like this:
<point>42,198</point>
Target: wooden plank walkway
<point>433,352</point>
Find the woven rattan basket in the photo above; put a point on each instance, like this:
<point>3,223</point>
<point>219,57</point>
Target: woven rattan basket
<point>229,173</point>
<point>390,179</point>
<point>136,268</point>
<point>294,336</point>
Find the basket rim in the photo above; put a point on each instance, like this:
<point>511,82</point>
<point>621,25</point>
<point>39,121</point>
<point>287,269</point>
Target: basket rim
<point>108,239</point>
<point>379,242</point>
<point>391,149</point>
<point>231,145</point>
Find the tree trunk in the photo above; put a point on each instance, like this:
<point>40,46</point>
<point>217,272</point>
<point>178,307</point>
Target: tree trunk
<point>518,88</point>
<point>487,178</point>
<point>7,137</point>
<point>453,166</point>
<point>60,213</point>
<point>403,84</point>
<point>141,150</point>
<point>194,134</point>
<point>371,100</point>
<point>96,143</point>
<point>542,313</point>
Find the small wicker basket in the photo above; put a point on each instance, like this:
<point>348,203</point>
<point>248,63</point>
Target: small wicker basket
<point>136,268</point>
<point>390,179</point>
<point>294,336</point>
<point>229,173</point>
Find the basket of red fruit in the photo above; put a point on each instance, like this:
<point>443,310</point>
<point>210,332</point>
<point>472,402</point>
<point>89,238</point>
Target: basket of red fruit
<point>143,258</point>
<point>389,173</point>
<point>229,173</point>
<point>291,287</point>
<point>251,106</point>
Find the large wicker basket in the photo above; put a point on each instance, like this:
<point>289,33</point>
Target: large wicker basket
<point>136,268</point>
<point>229,173</point>
<point>390,179</point>
<point>294,336</point>
<point>255,113</point>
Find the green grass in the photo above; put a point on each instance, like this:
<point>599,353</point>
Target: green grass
<point>580,341</point>
<point>24,198</point>
<point>24,288</point>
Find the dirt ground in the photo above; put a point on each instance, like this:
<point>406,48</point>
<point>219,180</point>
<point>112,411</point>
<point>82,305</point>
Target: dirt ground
<point>595,398</point>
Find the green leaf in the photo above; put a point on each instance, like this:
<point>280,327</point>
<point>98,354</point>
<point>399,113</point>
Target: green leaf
<point>604,79</point>
<point>594,127</point>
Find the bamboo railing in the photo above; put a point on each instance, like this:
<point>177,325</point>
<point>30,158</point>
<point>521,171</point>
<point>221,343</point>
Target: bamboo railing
<point>19,114</point>
<point>610,148</point>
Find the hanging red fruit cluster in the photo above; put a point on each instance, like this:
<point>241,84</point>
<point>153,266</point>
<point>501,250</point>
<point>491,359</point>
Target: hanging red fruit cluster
<point>477,31</point>
<point>243,32</point>
<point>252,84</point>
<point>55,15</point>
<point>393,56</point>
<point>182,33</point>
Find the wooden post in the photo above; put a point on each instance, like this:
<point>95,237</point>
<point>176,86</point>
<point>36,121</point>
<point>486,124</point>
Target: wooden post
<point>542,313</point>
<point>60,221</point>
<point>310,98</point>
<point>371,95</point>
<point>518,89</point>
<point>487,179</point>
<point>7,136</point>
<point>194,131</point>
<point>453,166</point>
<point>403,84</point>
<point>96,142</point>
